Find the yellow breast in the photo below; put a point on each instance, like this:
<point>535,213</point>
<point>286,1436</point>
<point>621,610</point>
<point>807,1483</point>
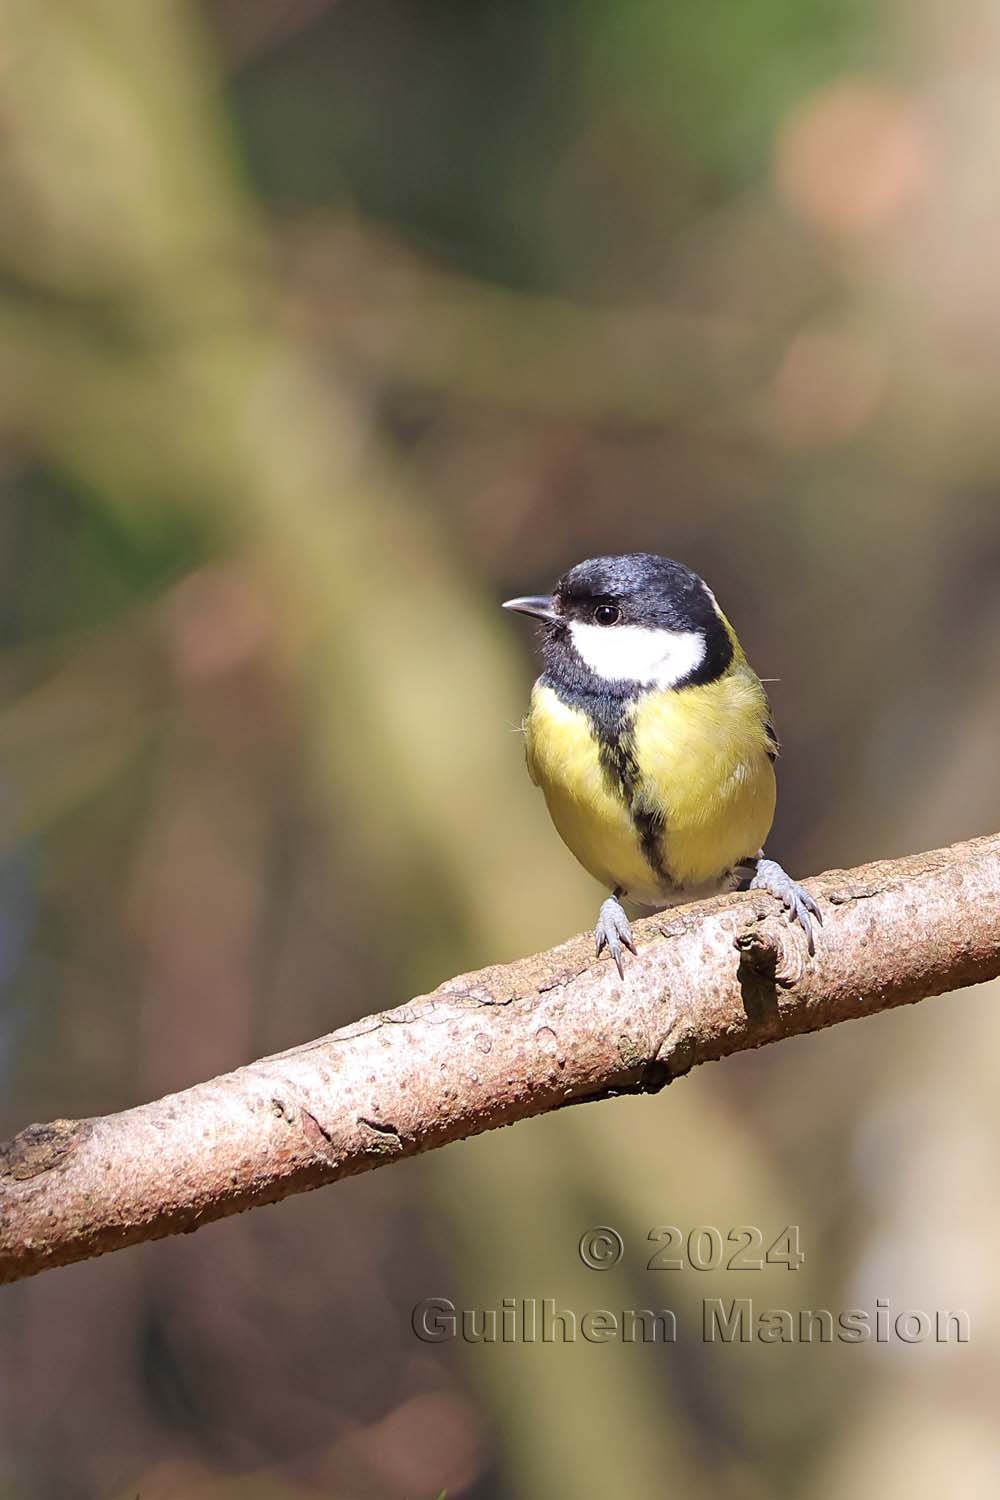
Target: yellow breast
<point>702,767</point>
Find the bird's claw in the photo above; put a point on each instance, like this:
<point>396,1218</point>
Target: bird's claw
<point>612,931</point>
<point>795,898</point>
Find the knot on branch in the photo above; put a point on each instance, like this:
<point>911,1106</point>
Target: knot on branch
<point>39,1148</point>
<point>771,952</point>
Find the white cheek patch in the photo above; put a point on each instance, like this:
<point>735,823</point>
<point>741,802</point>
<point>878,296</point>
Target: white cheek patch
<point>635,653</point>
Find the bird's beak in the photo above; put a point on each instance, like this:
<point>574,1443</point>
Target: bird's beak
<point>543,606</point>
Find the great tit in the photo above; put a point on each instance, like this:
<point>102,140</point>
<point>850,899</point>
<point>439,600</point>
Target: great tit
<point>651,737</point>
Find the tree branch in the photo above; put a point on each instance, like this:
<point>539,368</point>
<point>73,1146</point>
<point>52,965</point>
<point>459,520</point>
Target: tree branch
<point>500,1045</point>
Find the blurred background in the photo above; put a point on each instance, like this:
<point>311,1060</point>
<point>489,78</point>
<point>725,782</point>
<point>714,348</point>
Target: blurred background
<point>324,327</point>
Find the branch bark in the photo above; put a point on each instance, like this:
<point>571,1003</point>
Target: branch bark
<point>501,1045</point>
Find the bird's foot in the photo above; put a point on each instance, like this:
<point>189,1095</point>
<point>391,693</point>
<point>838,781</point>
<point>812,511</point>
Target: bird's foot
<point>612,931</point>
<point>799,904</point>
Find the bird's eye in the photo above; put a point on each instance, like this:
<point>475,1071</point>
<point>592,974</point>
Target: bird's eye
<point>607,614</point>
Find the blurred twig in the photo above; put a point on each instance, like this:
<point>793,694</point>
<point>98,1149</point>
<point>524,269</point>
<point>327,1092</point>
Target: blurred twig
<point>500,1045</point>
<point>404,319</point>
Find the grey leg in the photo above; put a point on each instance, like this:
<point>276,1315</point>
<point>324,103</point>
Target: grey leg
<point>801,908</point>
<point>612,931</point>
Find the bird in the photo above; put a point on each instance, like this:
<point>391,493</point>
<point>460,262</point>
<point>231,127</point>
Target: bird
<point>651,738</point>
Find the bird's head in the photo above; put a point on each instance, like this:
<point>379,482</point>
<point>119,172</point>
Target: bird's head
<point>638,620</point>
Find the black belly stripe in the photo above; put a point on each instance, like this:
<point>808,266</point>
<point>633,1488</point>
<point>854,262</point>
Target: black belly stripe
<point>650,826</point>
<point>611,718</point>
<point>621,767</point>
